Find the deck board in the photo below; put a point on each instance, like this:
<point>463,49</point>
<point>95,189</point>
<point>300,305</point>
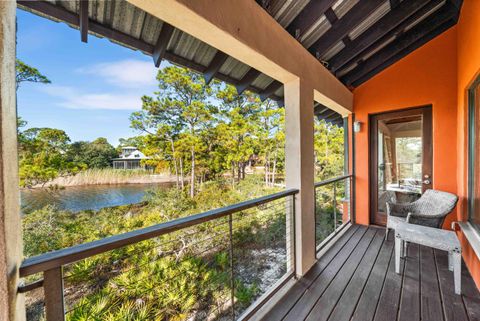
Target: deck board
<point>431,304</point>
<point>345,305</point>
<point>366,306</point>
<point>387,308</point>
<point>471,296</point>
<point>410,299</point>
<point>302,308</point>
<point>356,280</point>
<point>294,294</point>
<point>453,307</point>
<point>334,291</point>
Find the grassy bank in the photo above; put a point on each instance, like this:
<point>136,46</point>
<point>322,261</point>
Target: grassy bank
<point>110,176</point>
<point>174,277</point>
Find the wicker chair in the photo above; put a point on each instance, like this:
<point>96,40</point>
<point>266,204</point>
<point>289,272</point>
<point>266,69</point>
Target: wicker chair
<point>429,210</point>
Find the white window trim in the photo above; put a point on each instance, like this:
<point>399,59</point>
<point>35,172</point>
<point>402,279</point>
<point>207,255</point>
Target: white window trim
<point>472,235</point>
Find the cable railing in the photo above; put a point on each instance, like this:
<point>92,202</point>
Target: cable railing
<point>332,208</point>
<point>217,265</point>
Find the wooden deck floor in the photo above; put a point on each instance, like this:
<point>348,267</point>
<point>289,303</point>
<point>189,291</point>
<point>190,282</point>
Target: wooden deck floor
<point>356,280</point>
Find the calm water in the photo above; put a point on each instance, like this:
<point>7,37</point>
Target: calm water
<point>94,197</point>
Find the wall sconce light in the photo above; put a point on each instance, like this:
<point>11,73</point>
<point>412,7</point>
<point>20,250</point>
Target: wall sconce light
<point>357,126</point>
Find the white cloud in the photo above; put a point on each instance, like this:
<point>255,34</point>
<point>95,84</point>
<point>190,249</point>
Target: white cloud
<point>69,97</point>
<point>128,73</point>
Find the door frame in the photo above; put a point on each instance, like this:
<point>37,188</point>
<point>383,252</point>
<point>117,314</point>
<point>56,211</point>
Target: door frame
<point>427,145</point>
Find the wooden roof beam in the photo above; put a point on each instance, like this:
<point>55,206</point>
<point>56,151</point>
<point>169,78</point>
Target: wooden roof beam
<point>343,26</point>
<point>387,26</point>
<point>214,66</point>
<point>162,43</point>
<point>366,76</point>
<point>72,19</point>
<point>308,16</point>
<point>247,80</point>
<point>334,117</point>
<point>328,114</point>
<point>270,90</point>
<point>412,39</point>
<point>83,20</point>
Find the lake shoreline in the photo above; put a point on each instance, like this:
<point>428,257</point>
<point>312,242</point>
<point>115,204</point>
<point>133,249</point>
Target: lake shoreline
<point>88,197</point>
<point>106,177</point>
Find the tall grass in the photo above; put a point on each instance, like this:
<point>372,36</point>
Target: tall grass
<point>106,176</point>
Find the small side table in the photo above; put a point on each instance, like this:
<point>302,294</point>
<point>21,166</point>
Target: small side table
<point>431,237</point>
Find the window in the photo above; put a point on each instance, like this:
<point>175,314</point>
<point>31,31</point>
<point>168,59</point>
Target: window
<point>474,154</point>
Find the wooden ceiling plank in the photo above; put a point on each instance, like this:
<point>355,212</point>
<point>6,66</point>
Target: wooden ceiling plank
<point>308,16</point>
<point>247,80</point>
<point>328,114</point>
<point>71,18</point>
<point>214,66</point>
<point>331,16</point>
<point>83,19</point>
<point>162,43</point>
<point>394,3</point>
<point>369,74</point>
<point>343,26</point>
<point>390,24</point>
<point>270,90</point>
<point>333,117</point>
<point>417,34</point>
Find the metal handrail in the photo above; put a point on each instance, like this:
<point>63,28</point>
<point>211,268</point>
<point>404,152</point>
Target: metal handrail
<point>332,180</point>
<point>336,229</point>
<point>59,258</point>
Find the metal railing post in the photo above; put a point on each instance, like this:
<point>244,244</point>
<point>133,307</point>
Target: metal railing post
<point>294,238</point>
<point>53,289</point>
<point>232,273</point>
<point>334,206</point>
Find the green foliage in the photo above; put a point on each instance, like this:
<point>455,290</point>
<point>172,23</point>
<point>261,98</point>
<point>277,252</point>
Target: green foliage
<point>42,156</point>
<point>329,152</point>
<point>46,153</point>
<point>26,73</point>
<point>207,130</point>
<point>167,278</point>
<point>96,154</point>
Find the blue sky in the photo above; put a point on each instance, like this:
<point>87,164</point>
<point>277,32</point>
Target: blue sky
<point>95,85</point>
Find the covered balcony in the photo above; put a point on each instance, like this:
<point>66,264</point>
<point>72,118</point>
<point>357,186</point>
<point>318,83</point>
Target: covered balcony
<point>400,77</point>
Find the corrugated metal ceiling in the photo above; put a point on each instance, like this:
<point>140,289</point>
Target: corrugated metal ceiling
<point>184,49</point>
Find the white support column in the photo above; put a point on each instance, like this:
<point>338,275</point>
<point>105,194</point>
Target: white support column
<point>11,305</point>
<point>300,168</point>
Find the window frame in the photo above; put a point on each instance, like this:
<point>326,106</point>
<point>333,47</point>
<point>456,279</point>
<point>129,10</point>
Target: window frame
<point>473,138</point>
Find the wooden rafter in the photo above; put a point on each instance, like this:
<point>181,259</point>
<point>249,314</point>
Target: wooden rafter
<point>439,30</point>
<point>214,66</point>
<point>247,80</point>
<point>420,34</point>
<point>72,19</point>
<point>333,117</point>
<point>83,20</point>
<point>270,90</point>
<point>162,43</point>
<point>308,16</point>
<point>390,24</point>
<point>343,26</point>
<point>328,114</point>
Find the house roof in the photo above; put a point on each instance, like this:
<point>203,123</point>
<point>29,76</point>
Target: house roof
<point>135,155</point>
<point>355,39</point>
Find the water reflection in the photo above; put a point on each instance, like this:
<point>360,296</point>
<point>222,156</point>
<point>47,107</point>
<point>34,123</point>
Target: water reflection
<point>92,197</point>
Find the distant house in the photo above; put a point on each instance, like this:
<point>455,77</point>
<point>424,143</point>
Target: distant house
<point>130,158</point>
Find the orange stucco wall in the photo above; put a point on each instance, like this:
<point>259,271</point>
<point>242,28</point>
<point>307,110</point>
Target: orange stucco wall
<point>439,74</point>
<point>468,64</point>
<point>427,76</point>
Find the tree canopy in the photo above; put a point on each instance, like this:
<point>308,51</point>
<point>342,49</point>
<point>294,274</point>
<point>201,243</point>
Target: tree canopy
<point>26,73</point>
